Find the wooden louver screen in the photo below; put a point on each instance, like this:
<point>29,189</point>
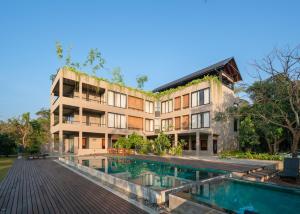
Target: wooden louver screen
<point>177,123</point>
<point>135,103</point>
<point>185,122</point>
<point>135,123</point>
<point>177,103</point>
<point>186,101</point>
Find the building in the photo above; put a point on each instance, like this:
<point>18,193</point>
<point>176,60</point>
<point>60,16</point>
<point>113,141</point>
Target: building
<point>89,114</point>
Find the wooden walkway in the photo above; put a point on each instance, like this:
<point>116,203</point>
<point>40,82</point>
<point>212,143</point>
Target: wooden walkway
<point>43,186</point>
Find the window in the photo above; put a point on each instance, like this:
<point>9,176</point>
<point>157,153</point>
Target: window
<point>135,123</point>
<point>186,101</point>
<point>177,123</point>
<point>149,125</point>
<point>116,99</point>
<point>116,121</point>
<point>157,124</point>
<point>200,120</point>
<point>135,103</point>
<point>185,122</point>
<point>235,125</point>
<point>167,106</point>
<point>149,107</point>
<point>177,103</point>
<point>167,124</point>
<point>201,97</point>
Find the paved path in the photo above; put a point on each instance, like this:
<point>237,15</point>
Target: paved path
<point>43,186</point>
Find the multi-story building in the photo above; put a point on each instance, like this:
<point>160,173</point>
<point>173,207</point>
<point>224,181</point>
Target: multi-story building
<point>89,114</point>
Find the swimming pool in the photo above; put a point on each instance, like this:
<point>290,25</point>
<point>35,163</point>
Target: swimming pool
<point>155,175</point>
<point>239,196</point>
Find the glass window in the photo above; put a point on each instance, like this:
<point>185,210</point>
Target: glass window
<point>117,100</point>
<point>123,101</point>
<point>149,125</point>
<point>123,121</point>
<point>110,98</point>
<point>194,121</point>
<point>149,107</point>
<point>205,120</point>
<point>206,96</point>
<point>163,107</point>
<point>200,97</point>
<point>194,99</point>
<point>111,119</point>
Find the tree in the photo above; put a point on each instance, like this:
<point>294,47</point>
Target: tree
<point>248,137</point>
<point>277,99</point>
<point>24,127</point>
<point>141,81</point>
<point>8,145</point>
<point>117,76</point>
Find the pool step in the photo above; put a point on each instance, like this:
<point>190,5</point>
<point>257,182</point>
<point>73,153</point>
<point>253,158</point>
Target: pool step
<point>260,175</point>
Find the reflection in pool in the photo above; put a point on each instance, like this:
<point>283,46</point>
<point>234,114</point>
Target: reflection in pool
<point>153,174</point>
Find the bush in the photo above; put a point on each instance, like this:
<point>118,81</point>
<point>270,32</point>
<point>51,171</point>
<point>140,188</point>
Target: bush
<point>161,144</point>
<point>177,150</point>
<point>249,155</point>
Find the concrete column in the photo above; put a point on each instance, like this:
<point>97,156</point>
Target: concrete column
<point>51,149</point>
<point>175,139</point>
<point>60,114</point>
<point>106,165</point>
<point>80,89</point>
<point>60,142</point>
<point>198,143</point>
<point>106,141</point>
<point>80,115</point>
<point>175,172</point>
<point>61,84</point>
<point>80,141</point>
<point>190,142</point>
<point>210,144</point>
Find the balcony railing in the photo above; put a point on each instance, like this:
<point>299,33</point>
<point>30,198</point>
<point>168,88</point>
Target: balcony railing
<point>94,124</point>
<point>94,100</point>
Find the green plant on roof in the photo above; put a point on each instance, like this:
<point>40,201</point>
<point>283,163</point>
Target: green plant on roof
<point>96,62</point>
<point>141,81</point>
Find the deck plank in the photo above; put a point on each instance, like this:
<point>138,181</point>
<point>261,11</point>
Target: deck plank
<point>43,186</point>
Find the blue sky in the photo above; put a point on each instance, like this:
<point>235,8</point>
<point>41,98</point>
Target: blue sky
<point>164,39</point>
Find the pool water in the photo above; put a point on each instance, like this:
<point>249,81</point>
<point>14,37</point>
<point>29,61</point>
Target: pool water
<point>239,196</point>
<point>153,174</point>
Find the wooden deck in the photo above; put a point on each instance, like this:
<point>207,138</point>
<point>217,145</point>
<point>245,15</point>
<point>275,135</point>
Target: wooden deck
<point>43,186</point>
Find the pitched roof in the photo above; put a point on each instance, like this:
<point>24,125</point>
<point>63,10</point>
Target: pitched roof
<point>212,69</point>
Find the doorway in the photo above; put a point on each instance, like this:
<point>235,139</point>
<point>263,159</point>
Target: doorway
<point>215,146</point>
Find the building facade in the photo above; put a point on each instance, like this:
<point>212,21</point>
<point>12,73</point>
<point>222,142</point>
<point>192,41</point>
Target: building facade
<point>88,114</point>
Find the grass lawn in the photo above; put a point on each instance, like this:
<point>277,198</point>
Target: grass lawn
<point>5,164</point>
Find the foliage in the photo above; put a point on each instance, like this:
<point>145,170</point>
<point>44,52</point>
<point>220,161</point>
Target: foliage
<point>27,133</point>
<point>117,76</point>
<point>276,100</point>
<point>249,155</point>
<point>122,142</point>
<point>141,81</point>
<point>8,145</point>
<point>133,141</point>
<point>146,147</point>
<point>177,150</point>
<point>161,144</point>
<point>247,134</point>
<point>94,59</point>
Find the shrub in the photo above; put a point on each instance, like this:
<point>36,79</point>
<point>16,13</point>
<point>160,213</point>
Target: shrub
<point>161,144</point>
<point>8,145</point>
<point>249,155</point>
<point>177,150</point>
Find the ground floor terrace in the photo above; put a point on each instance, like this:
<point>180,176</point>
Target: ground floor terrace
<point>44,186</point>
<point>85,143</point>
